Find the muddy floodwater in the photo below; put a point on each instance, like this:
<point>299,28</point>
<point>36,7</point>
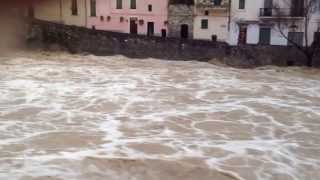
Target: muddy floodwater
<point>73,117</point>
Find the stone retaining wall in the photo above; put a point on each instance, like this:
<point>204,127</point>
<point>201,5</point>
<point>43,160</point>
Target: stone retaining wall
<point>78,39</point>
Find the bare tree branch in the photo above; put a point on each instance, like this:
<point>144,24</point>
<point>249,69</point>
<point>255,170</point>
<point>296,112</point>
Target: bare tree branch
<point>302,15</point>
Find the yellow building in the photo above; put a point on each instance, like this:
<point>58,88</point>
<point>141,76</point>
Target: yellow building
<point>70,12</point>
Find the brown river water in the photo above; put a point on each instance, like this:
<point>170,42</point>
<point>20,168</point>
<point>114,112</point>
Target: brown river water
<point>73,117</point>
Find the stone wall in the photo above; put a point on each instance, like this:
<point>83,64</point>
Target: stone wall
<point>79,40</point>
<point>257,55</point>
<point>178,15</point>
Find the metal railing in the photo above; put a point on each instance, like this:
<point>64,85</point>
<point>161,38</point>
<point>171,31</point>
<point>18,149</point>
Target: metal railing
<point>281,12</point>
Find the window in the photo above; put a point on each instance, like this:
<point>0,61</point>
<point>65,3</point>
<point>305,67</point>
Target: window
<point>217,2</point>
<point>119,4</point>
<point>204,24</point>
<point>133,4</point>
<point>265,35</point>
<point>150,8</point>
<point>206,13</point>
<point>268,3</point>
<point>297,8</point>
<point>74,7</point>
<point>93,8</point>
<point>242,4</point>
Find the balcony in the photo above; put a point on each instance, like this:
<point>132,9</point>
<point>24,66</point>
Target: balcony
<point>215,4</point>
<point>211,9</point>
<point>283,13</point>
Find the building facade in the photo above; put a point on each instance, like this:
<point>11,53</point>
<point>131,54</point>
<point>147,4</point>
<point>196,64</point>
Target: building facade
<point>271,22</point>
<point>147,17</point>
<point>211,20</point>
<point>258,22</point>
<point>47,10</point>
<point>74,12</point>
<point>180,18</point>
<point>69,12</point>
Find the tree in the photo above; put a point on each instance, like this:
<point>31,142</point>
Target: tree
<point>301,12</point>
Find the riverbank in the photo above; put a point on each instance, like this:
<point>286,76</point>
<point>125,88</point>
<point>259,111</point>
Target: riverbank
<point>82,40</point>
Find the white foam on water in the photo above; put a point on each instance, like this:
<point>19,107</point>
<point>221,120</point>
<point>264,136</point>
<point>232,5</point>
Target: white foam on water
<point>253,124</point>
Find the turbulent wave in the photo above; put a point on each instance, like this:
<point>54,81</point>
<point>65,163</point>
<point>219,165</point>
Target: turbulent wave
<point>85,117</point>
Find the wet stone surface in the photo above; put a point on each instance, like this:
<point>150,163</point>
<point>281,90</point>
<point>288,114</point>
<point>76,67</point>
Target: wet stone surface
<point>85,117</point>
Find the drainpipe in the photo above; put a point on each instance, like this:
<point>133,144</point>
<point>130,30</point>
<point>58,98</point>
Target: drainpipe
<point>229,15</point>
<point>60,6</point>
<point>85,13</point>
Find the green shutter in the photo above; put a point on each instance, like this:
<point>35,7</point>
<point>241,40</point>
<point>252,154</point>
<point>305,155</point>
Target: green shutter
<point>265,36</point>
<point>204,24</point>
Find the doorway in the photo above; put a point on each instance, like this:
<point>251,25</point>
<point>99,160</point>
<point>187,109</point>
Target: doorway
<point>133,26</point>
<point>316,39</point>
<point>295,37</point>
<point>265,35</point>
<point>242,34</point>
<point>150,31</point>
<point>184,31</point>
<point>163,33</point>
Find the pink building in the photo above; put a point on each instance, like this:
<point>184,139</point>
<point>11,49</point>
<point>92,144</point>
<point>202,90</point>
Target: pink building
<point>129,16</point>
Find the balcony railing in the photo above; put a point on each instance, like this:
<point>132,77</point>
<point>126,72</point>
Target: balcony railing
<point>212,4</point>
<point>281,12</point>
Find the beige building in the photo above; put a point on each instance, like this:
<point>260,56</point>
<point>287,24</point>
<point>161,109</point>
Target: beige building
<point>70,12</point>
<point>47,10</point>
<point>211,20</point>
